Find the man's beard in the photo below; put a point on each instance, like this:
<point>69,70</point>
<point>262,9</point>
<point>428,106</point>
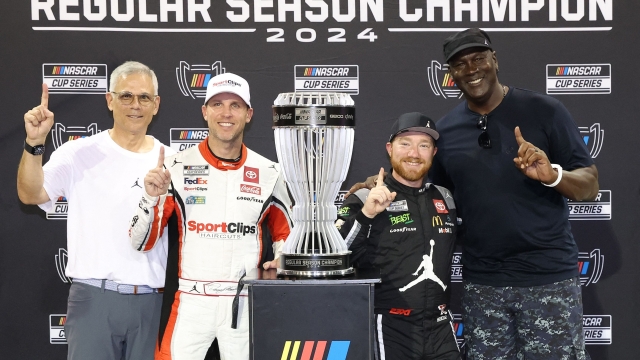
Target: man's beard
<point>410,175</point>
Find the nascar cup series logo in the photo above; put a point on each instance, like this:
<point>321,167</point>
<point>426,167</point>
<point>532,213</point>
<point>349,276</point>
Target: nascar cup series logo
<point>195,170</point>
<point>193,79</point>
<point>599,209</point>
<point>590,266</point>
<point>327,78</point>
<point>184,138</point>
<point>61,265</point>
<point>56,328</point>
<point>593,136</point>
<point>456,267</point>
<point>441,82</point>
<point>60,209</point>
<point>340,198</point>
<point>578,79</point>
<point>597,329</point>
<point>75,78</point>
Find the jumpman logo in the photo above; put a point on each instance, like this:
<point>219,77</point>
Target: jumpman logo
<point>175,161</point>
<point>136,184</point>
<point>194,288</point>
<point>428,273</point>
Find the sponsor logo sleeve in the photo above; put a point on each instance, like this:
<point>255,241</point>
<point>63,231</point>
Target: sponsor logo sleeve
<point>149,221</point>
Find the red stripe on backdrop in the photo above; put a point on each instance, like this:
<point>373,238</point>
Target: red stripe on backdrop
<point>319,354</point>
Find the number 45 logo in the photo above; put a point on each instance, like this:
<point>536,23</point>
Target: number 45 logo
<point>309,35</point>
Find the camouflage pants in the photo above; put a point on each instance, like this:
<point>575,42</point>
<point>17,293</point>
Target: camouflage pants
<point>524,323</point>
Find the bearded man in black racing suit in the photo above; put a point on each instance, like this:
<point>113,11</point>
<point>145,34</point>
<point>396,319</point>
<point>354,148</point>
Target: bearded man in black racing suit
<point>406,227</point>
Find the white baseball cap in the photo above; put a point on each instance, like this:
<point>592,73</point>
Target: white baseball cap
<point>228,83</point>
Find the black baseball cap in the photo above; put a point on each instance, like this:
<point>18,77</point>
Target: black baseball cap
<point>465,39</point>
<point>414,121</point>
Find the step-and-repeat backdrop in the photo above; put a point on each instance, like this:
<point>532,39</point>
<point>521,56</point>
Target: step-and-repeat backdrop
<point>386,53</point>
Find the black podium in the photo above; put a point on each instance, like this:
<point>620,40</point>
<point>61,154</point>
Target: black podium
<point>297,318</point>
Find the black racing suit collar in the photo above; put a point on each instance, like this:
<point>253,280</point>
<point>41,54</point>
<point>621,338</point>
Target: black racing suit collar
<point>397,186</point>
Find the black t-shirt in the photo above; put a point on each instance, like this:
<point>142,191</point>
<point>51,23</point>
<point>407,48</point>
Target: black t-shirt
<point>515,231</point>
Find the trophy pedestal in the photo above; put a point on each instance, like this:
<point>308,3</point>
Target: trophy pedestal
<point>311,316</point>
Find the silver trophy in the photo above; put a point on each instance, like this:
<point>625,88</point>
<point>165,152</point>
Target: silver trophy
<point>314,141</point>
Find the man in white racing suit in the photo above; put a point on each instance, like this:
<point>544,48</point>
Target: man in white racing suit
<point>218,199</point>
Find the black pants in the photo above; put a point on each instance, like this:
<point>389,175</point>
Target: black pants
<point>414,337</point>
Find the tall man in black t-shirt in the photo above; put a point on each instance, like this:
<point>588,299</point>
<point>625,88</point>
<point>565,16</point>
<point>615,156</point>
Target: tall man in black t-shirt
<point>510,156</point>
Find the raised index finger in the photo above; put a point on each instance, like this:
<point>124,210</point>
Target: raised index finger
<point>380,181</point>
<point>161,157</point>
<point>44,100</point>
<point>519,138</point>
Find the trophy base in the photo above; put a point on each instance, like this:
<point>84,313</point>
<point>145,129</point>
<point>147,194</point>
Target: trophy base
<point>315,265</point>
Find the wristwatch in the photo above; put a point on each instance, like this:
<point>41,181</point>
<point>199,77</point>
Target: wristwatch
<point>34,150</point>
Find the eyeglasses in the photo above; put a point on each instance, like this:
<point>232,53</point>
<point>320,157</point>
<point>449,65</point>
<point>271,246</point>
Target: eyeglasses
<point>483,140</point>
<point>127,98</point>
